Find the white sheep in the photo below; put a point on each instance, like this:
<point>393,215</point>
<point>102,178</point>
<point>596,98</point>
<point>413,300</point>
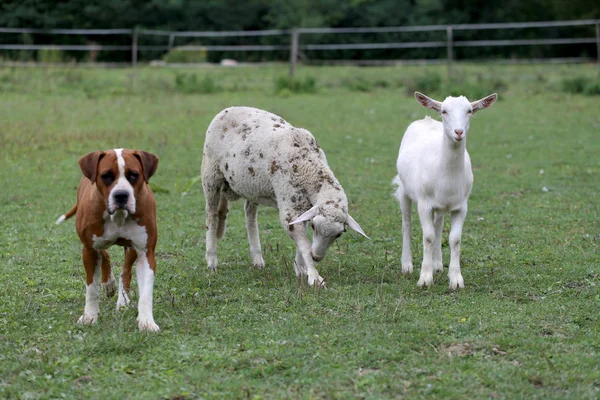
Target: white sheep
<point>255,155</point>
<point>434,170</point>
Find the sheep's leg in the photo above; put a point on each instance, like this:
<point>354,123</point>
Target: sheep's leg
<point>454,275</point>
<point>212,223</point>
<point>253,237</point>
<point>222,213</point>
<point>438,223</point>
<point>426,217</point>
<point>304,263</point>
<point>299,266</point>
<point>406,206</point>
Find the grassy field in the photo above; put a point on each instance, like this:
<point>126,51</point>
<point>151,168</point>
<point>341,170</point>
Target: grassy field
<point>527,324</point>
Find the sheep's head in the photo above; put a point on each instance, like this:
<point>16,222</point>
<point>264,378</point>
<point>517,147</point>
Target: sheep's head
<point>456,112</point>
<point>327,226</point>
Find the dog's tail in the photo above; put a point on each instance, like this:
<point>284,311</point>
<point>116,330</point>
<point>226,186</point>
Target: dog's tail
<point>67,215</point>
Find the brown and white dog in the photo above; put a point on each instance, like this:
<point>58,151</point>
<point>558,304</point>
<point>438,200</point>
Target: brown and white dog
<point>115,205</point>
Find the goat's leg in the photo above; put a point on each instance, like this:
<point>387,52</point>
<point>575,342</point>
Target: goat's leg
<point>438,223</point>
<point>251,210</point>
<point>406,206</point>
<point>454,275</point>
<point>426,217</point>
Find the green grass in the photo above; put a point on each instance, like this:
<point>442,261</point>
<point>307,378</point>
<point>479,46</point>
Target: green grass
<point>527,325</point>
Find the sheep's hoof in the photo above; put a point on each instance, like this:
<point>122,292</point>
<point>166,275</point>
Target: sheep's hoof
<point>258,263</point>
<point>457,282</point>
<point>319,281</point>
<point>407,268</point>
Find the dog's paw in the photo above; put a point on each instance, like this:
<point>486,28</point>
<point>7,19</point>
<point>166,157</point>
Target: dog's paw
<point>110,287</point>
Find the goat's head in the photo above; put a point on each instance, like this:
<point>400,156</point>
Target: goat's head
<point>327,227</point>
<point>456,112</point>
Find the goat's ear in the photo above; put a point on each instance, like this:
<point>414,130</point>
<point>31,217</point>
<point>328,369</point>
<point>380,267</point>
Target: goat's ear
<point>428,102</point>
<point>308,215</point>
<point>89,164</point>
<point>352,224</point>
<point>486,102</point>
<point>149,163</point>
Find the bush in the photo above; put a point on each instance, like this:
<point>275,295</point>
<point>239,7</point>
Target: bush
<point>359,84</point>
<point>582,85</point>
<point>189,83</point>
<point>51,56</point>
<point>181,56</point>
<point>428,83</point>
<point>285,84</point>
<point>434,84</point>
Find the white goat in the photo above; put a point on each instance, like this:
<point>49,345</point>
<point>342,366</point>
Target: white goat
<point>434,170</point>
<point>256,155</point>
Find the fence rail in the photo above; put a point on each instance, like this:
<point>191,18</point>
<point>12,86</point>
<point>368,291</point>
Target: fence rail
<point>295,47</point>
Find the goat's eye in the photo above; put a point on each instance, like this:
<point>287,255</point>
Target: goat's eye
<point>107,178</point>
<point>338,235</point>
<point>132,176</point>
<point>469,112</point>
<point>445,112</point>
<point>312,226</point>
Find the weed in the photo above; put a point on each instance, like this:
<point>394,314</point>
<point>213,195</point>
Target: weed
<point>582,85</point>
<point>285,84</point>
<point>183,55</point>
<point>189,83</point>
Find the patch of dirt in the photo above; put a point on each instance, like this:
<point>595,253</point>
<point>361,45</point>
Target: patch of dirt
<point>459,350</point>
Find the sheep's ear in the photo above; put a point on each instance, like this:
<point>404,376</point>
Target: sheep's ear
<point>310,214</point>
<point>485,102</point>
<point>428,102</point>
<point>352,224</point>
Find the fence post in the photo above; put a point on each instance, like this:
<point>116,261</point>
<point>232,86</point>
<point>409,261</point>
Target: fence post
<point>293,51</point>
<point>598,42</point>
<point>449,49</point>
<point>134,51</point>
<point>171,41</point>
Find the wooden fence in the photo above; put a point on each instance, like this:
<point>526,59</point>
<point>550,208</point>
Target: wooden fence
<point>296,46</point>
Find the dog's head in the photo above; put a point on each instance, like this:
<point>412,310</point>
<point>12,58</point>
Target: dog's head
<point>119,175</point>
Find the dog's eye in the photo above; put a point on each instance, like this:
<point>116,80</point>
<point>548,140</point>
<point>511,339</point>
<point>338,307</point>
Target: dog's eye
<point>107,178</point>
<point>132,177</point>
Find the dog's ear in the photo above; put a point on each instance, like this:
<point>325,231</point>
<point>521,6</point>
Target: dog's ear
<point>149,163</point>
<point>89,164</point>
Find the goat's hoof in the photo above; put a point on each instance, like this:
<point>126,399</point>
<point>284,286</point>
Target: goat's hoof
<point>87,319</point>
<point>425,281</point>
<point>438,266</point>
<point>147,325</point>
<point>457,282</point>
<point>212,268</point>
<point>407,268</point>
